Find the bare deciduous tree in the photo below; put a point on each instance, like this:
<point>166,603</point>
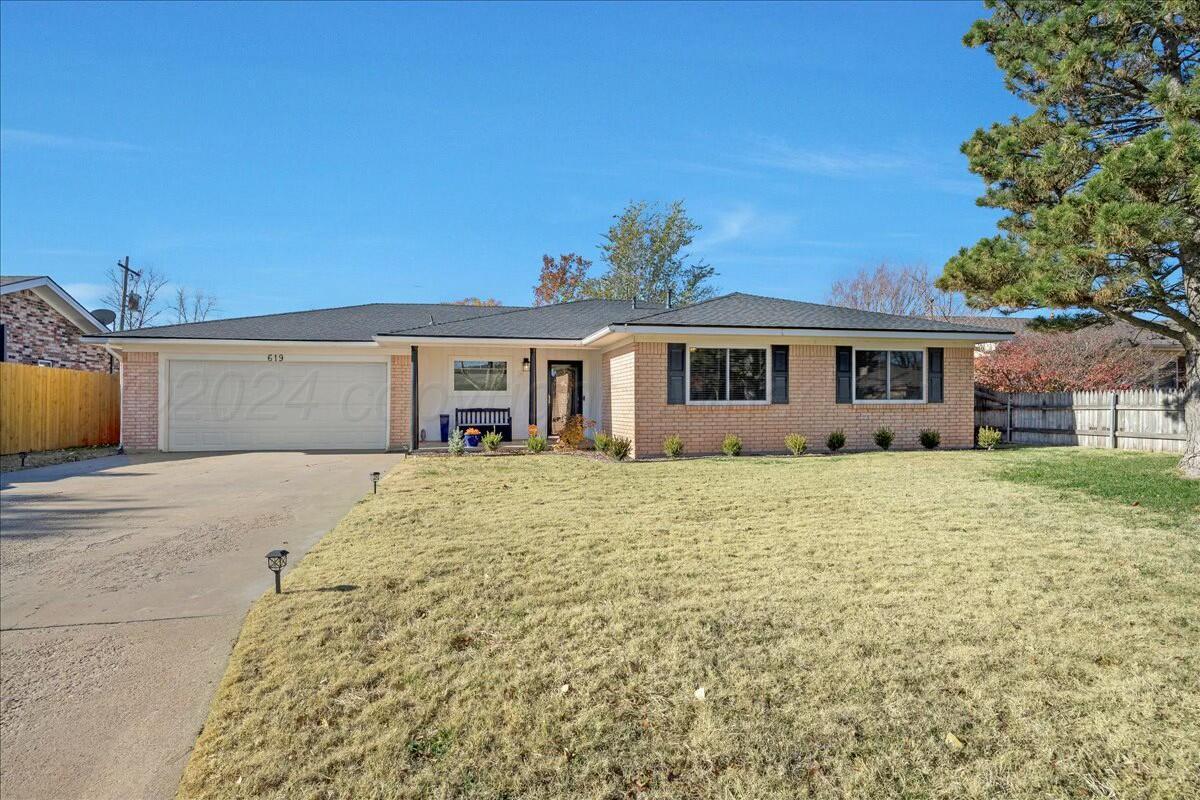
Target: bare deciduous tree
<point>141,299</point>
<point>904,290</point>
<point>193,305</point>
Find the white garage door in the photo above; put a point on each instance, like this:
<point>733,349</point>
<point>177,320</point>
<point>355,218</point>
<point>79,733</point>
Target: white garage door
<point>286,405</point>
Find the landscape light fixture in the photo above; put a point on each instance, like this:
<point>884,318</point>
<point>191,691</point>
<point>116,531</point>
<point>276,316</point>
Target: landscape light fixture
<point>276,561</point>
<point>374,483</point>
<point>24,455</point>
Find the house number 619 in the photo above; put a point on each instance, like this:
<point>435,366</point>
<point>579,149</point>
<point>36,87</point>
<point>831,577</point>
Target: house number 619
<point>274,356</point>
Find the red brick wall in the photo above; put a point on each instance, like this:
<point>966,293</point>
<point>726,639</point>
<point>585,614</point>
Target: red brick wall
<point>139,401</point>
<point>33,330</point>
<point>400,400</point>
<point>811,409</point>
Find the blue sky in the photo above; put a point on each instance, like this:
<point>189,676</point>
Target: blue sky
<point>298,156</point>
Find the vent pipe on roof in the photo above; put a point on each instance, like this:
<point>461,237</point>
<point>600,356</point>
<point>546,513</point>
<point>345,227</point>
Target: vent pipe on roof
<point>633,301</point>
<point>668,298</point>
<point>431,319</point>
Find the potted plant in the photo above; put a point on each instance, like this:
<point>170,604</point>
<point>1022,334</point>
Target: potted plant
<point>473,435</point>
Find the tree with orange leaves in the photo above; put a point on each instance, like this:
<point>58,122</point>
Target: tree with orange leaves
<point>562,279</point>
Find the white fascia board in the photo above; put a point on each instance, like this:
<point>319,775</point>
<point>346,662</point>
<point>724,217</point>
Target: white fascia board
<point>58,299</point>
<point>698,330</point>
<point>20,286</point>
<point>600,334</point>
<point>454,341</point>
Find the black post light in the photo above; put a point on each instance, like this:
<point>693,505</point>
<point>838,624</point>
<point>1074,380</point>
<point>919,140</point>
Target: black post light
<point>276,561</point>
<point>374,483</point>
<point>24,455</point>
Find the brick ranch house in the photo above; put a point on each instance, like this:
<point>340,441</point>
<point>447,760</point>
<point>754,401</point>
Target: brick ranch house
<point>40,323</point>
<point>389,376</point>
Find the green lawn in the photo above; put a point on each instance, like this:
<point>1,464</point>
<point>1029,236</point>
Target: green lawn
<point>945,624</point>
<point>1134,479</point>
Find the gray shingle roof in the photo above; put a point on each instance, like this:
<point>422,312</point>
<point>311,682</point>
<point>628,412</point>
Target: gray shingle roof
<point>1020,325</point>
<point>993,323</point>
<point>567,321</point>
<point>573,320</point>
<point>740,310</point>
<point>346,324</point>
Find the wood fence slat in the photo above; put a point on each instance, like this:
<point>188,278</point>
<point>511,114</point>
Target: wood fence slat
<point>1146,419</point>
<point>47,408</point>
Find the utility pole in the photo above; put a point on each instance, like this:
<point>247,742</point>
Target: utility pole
<point>125,270</point>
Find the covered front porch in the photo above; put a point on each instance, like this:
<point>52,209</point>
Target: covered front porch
<point>499,387</point>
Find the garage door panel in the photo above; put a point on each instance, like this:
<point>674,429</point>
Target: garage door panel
<point>249,405</point>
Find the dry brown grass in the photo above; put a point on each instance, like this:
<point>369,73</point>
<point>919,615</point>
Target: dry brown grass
<point>844,615</point>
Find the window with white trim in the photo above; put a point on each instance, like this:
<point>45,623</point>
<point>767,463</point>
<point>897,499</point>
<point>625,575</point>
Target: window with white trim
<point>882,375</point>
<point>480,375</point>
<point>727,374</point>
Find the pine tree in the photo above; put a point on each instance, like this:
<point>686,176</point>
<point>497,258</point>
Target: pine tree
<point>1101,181</point>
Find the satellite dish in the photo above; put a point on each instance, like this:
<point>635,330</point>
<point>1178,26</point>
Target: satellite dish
<point>105,316</point>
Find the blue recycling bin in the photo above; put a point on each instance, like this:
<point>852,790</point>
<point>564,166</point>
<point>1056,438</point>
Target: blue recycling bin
<point>445,427</point>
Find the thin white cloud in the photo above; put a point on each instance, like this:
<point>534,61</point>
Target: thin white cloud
<point>87,295</point>
<point>831,162</point>
<point>712,169</point>
<point>729,227</point>
<point>744,223</point>
<point>775,157</point>
<point>19,137</point>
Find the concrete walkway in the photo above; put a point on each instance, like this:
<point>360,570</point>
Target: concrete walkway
<point>123,584</point>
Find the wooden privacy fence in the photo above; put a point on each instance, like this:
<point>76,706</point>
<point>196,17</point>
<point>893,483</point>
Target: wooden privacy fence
<point>45,408</point>
<point>1135,419</point>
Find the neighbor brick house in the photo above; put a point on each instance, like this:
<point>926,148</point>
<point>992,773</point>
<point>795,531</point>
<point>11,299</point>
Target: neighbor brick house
<point>396,375</point>
<point>40,323</point>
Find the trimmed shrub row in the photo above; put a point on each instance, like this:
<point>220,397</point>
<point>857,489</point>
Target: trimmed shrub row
<point>618,447</point>
<point>797,444</point>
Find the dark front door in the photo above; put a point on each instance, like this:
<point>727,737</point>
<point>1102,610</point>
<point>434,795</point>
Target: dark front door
<point>566,393</point>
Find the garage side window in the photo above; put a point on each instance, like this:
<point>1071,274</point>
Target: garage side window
<point>480,376</point>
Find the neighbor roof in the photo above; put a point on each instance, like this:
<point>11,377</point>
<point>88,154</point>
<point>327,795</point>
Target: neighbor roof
<point>56,297</point>
<point>345,324</point>
<point>740,310</point>
<point>7,279</point>
<point>1020,325</point>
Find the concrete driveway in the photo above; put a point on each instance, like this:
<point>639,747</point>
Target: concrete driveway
<point>123,584</point>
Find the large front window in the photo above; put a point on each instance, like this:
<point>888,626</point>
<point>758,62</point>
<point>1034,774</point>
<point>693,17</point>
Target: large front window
<point>889,375</point>
<point>480,376</point>
<point>727,374</point>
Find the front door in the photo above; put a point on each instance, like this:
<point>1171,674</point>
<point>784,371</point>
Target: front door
<point>566,393</point>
